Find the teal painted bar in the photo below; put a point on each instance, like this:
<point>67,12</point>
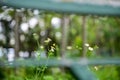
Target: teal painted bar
<point>78,66</point>
<point>82,72</point>
<point>64,7</point>
<point>61,62</point>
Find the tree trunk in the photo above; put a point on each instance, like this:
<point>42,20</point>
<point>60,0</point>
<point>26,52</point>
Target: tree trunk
<point>16,31</point>
<point>84,36</point>
<point>64,25</point>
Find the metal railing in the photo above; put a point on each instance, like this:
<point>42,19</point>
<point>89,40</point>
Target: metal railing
<point>78,66</point>
<point>66,6</point>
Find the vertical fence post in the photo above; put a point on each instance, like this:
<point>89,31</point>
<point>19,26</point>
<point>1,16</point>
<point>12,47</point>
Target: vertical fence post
<point>84,36</point>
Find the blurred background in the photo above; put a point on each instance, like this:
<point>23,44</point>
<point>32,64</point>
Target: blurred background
<point>25,32</point>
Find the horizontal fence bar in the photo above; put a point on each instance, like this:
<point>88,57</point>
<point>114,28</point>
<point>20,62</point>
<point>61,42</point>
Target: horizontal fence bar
<point>60,62</point>
<point>66,7</point>
<point>78,66</point>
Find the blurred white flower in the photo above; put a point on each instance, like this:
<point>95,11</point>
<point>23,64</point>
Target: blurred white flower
<point>36,12</point>
<point>58,35</point>
<point>86,44</point>
<point>41,47</point>
<point>52,50</point>
<point>96,68</point>
<point>90,48</point>
<point>33,22</point>
<point>56,22</point>
<point>69,47</point>
<point>48,40</point>
<point>24,27</point>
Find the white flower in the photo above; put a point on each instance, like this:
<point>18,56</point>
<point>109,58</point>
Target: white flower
<point>96,68</point>
<point>86,44</point>
<point>41,47</point>
<point>90,48</point>
<point>48,40</point>
<point>52,50</point>
<point>69,47</point>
